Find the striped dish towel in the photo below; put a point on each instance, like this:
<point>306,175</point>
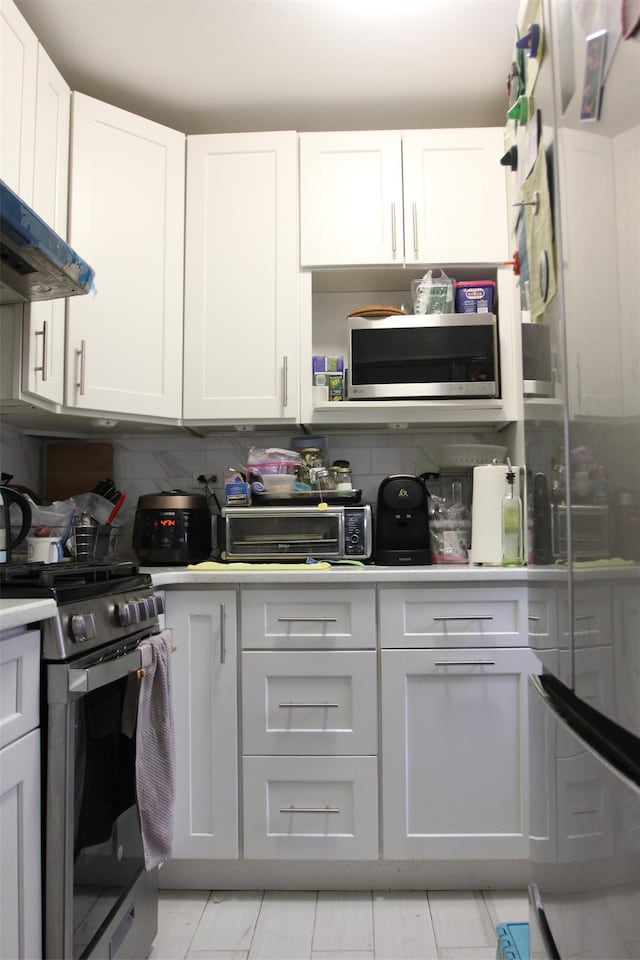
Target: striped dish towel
<point>155,750</point>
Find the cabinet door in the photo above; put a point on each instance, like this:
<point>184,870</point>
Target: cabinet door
<point>241,294</point>
<point>310,808</point>
<point>44,326</point>
<point>594,356</point>
<point>19,684</point>
<point>452,616</point>
<point>20,885</point>
<point>18,69</point>
<point>204,690</point>
<point>127,221</point>
<point>304,702</point>
<point>351,198</point>
<point>454,763</point>
<point>455,203</point>
<point>308,619</point>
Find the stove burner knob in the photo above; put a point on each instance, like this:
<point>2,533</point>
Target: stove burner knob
<point>142,607</point>
<point>127,613</point>
<point>159,603</point>
<point>83,627</point>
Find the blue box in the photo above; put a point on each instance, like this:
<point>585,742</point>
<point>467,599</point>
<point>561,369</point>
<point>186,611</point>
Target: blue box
<point>237,493</point>
<point>327,364</point>
<point>475,296</point>
<point>513,941</point>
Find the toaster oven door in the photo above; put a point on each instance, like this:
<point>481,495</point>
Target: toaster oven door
<point>283,535</point>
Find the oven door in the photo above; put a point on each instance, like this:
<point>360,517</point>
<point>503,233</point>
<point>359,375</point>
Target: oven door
<point>99,900</point>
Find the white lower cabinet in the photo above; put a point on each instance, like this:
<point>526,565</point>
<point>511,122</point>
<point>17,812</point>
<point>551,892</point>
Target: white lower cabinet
<point>309,724</point>
<point>20,810</point>
<point>454,753</point>
<point>311,808</point>
<point>205,709</point>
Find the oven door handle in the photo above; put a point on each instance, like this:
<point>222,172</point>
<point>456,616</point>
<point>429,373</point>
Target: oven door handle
<point>108,671</point>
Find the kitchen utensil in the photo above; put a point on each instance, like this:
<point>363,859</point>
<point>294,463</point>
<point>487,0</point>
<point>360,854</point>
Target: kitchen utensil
<point>377,310</point>
<point>8,539</point>
<point>44,550</point>
<point>172,527</point>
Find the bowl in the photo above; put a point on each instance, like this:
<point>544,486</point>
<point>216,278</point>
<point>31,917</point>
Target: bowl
<point>279,482</point>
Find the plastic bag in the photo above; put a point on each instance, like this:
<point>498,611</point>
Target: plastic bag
<point>433,294</point>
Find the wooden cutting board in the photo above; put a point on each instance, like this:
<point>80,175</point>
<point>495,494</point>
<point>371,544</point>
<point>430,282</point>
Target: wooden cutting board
<point>76,467</point>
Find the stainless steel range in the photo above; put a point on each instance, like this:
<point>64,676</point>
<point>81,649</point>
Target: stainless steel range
<point>99,901</point>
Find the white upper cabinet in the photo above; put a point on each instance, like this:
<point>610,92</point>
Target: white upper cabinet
<point>18,70</point>
<point>124,345</point>
<point>455,203</point>
<point>588,205</point>
<point>420,196</point>
<point>44,324</point>
<point>351,198</point>
<point>241,278</point>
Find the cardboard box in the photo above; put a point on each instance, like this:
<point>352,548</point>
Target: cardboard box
<point>323,364</point>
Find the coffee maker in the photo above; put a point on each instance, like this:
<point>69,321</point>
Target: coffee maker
<point>402,522</point>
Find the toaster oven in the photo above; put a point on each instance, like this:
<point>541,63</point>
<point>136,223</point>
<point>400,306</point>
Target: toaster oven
<point>296,533</point>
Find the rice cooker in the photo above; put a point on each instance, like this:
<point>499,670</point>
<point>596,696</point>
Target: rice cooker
<point>172,527</point>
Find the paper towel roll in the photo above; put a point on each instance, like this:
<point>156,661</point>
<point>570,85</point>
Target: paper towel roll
<point>489,488</point>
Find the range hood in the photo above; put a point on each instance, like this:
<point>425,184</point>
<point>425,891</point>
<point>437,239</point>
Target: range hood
<point>35,262</point>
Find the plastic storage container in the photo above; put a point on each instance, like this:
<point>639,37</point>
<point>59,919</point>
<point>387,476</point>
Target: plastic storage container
<point>475,296</point>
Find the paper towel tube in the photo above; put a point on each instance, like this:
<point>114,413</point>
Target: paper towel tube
<point>489,488</point>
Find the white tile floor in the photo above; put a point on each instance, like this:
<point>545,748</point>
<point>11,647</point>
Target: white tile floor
<point>330,925</point>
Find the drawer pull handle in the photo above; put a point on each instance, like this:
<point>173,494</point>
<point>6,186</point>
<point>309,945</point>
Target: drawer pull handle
<point>534,618</point>
<point>478,617</point>
<point>309,810</point>
<point>285,706</point>
<point>586,616</point>
<point>464,663</point>
<point>307,619</point>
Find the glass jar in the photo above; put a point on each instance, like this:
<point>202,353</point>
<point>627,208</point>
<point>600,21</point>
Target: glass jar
<point>341,472</point>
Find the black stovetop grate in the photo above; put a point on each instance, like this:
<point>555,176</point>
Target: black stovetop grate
<point>57,579</point>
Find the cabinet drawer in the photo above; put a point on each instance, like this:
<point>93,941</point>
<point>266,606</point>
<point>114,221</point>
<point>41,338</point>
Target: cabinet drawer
<point>309,703</point>
<point>19,685</point>
<point>308,619</point>
<point>444,616</point>
<point>318,808</point>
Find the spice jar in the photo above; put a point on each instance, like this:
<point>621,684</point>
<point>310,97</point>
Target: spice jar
<point>341,470</point>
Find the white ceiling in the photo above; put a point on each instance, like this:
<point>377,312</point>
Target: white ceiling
<point>208,66</point>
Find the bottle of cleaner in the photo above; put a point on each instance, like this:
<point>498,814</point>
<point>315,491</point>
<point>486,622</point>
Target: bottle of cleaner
<point>512,555</point>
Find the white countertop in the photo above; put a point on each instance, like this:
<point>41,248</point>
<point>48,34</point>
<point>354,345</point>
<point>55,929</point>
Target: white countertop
<point>18,613</point>
<point>369,574</point>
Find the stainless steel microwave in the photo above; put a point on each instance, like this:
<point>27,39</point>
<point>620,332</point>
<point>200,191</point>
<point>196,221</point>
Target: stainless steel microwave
<point>295,533</point>
<point>423,357</point>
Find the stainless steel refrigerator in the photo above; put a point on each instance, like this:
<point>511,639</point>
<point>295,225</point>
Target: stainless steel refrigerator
<point>583,444</point>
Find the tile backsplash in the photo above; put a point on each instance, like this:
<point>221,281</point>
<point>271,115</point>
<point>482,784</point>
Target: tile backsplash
<point>152,463</point>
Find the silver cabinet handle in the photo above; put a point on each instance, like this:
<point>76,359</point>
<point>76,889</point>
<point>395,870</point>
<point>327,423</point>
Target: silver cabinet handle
<point>83,355</point>
<point>285,381</point>
<point>307,619</point>
<point>586,616</point>
<point>479,617</point>
<point>464,663</point>
<point>309,810</point>
<point>285,706</point>
<point>393,227</point>
<point>223,641</point>
<point>414,213</point>
<point>533,618</point>
<point>44,333</point>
